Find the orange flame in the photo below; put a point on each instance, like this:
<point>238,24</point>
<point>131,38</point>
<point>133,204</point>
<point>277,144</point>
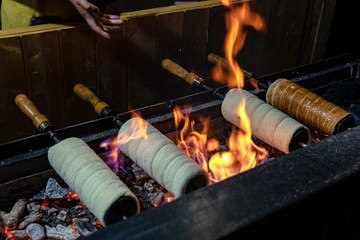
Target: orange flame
<point>115,159</point>
<point>237,19</point>
<point>243,154</point>
<point>7,232</point>
<point>195,144</point>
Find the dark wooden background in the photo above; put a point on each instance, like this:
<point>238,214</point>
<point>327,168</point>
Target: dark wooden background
<point>45,62</point>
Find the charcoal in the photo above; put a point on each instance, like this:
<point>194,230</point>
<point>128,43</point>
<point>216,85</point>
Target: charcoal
<point>140,174</point>
<point>52,211</point>
<point>54,191</point>
<point>19,234</point>
<point>62,215</point>
<point>156,198</point>
<point>2,234</point>
<point>33,207</point>
<point>139,188</point>
<point>35,231</point>
<point>38,197</point>
<point>29,219</point>
<point>62,232</point>
<point>148,186</point>
<point>82,226</point>
<point>11,219</point>
<point>44,209</point>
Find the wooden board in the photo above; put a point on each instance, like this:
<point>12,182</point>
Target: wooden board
<point>78,59</point>
<point>141,44</point>
<point>169,45</point>
<point>111,60</point>
<point>43,68</point>
<point>13,123</point>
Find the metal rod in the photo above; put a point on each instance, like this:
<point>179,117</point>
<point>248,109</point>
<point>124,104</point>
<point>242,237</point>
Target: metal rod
<point>303,144</point>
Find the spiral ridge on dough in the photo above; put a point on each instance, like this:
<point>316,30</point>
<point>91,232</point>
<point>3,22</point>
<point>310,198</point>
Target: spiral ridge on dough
<point>306,106</point>
<point>88,176</point>
<point>161,158</point>
<point>267,123</point>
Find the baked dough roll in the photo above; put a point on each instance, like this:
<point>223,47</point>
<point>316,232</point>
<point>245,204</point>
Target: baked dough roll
<point>162,159</point>
<point>267,123</point>
<point>107,197</point>
<point>308,107</point>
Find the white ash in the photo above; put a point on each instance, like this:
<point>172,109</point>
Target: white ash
<point>53,190</point>
<point>61,232</point>
<point>19,234</point>
<point>148,186</point>
<point>12,218</point>
<point>35,231</point>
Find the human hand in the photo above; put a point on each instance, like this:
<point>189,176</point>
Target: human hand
<point>100,23</point>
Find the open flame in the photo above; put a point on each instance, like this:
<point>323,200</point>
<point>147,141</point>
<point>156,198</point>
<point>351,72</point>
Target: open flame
<point>115,159</point>
<point>243,154</point>
<point>237,20</point>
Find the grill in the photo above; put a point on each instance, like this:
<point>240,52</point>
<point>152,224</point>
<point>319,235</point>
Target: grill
<point>309,193</point>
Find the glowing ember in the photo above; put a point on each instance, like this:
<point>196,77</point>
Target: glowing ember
<point>8,233</point>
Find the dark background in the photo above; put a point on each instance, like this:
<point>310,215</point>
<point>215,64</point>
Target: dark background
<point>344,35</point>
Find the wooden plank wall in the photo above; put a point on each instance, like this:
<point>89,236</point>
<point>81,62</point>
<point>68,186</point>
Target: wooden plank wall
<point>45,62</point>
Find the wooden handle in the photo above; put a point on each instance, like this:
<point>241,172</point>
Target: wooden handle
<point>89,96</point>
<point>176,69</point>
<point>216,59</point>
<point>30,110</point>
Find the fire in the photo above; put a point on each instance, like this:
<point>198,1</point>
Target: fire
<point>195,144</point>
<point>243,154</point>
<point>115,159</point>
<point>7,232</point>
<point>237,19</point>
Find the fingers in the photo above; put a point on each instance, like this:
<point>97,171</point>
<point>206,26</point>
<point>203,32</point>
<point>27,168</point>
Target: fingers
<point>98,22</point>
<point>94,26</point>
<point>110,20</point>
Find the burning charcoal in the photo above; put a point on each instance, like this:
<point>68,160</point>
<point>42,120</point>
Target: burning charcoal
<point>11,219</point>
<point>62,215</point>
<point>38,197</point>
<point>61,232</point>
<point>44,209</point>
<point>80,214</point>
<point>152,181</point>
<point>19,234</point>
<point>35,231</point>
<point>140,174</point>
<point>81,227</point>
<point>31,218</point>
<point>156,198</point>
<point>52,211</point>
<point>148,186</point>
<point>55,191</point>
